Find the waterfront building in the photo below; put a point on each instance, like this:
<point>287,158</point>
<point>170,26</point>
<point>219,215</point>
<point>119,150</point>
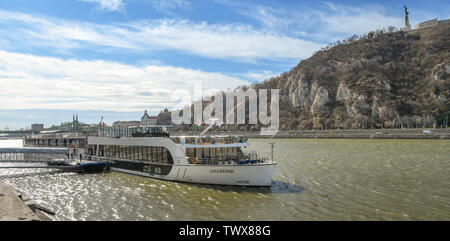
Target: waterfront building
<point>37,127</point>
<point>125,124</point>
<point>147,120</point>
<point>432,23</point>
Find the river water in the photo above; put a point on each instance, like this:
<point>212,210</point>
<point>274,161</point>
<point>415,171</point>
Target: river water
<point>314,180</point>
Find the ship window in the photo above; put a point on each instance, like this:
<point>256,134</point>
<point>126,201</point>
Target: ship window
<point>158,150</point>
<point>189,152</point>
<point>145,150</point>
<point>206,151</point>
<point>101,150</point>
<point>130,152</point>
<point>144,153</point>
<point>164,155</point>
<point>169,157</point>
<point>154,153</point>
<point>105,150</point>
<point>136,153</point>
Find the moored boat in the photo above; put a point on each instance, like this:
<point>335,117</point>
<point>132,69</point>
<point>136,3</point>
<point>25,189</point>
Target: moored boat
<point>194,159</point>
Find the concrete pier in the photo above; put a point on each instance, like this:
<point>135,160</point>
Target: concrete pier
<point>12,208</point>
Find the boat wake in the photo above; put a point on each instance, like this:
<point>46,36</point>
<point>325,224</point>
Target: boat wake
<point>284,187</point>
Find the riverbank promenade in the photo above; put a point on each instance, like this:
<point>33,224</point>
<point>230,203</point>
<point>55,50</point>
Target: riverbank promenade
<point>339,134</point>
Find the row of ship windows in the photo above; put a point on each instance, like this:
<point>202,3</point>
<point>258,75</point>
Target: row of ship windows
<point>213,152</point>
<point>144,153</point>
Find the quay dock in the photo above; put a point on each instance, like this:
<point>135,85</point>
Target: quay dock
<point>55,140</point>
<point>12,208</point>
<point>56,158</point>
<point>33,154</point>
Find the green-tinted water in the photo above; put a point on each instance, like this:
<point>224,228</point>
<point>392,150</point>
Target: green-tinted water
<point>314,180</point>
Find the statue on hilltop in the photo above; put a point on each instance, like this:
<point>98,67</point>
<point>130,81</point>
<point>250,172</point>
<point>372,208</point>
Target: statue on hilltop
<point>407,25</point>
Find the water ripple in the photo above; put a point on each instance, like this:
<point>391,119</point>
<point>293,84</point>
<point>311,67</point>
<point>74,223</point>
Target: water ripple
<point>314,180</point>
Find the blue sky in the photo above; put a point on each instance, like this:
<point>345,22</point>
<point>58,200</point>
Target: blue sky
<point>119,57</point>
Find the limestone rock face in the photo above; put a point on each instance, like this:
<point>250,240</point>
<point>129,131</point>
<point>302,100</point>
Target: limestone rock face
<point>441,71</point>
<point>320,100</point>
<point>355,103</point>
<point>344,93</point>
<point>383,112</point>
<point>440,84</point>
<point>300,91</point>
<point>360,106</point>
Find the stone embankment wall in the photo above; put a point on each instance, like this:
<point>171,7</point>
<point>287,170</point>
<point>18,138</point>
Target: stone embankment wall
<point>16,207</point>
<point>343,134</point>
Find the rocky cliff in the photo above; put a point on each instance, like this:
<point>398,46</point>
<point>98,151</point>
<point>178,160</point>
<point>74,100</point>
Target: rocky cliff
<point>390,79</point>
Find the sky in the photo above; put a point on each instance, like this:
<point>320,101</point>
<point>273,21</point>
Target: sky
<point>117,58</point>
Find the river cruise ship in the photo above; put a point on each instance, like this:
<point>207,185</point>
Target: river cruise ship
<point>151,152</point>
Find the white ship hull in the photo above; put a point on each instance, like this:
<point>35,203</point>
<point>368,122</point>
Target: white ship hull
<point>208,162</point>
<point>238,175</point>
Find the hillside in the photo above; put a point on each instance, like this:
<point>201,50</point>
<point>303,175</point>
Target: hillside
<point>383,79</point>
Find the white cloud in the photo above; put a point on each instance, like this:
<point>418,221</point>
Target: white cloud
<point>34,82</point>
<point>259,75</point>
<point>165,6</point>
<point>358,20</point>
<point>108,5</point>
<point>222,41</point>
<point>323,22</point>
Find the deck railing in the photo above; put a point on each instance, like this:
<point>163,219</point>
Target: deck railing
<point>251,158</point>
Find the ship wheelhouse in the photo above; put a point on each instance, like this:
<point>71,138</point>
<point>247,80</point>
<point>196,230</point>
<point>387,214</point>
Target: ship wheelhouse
<point>215,150</point>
